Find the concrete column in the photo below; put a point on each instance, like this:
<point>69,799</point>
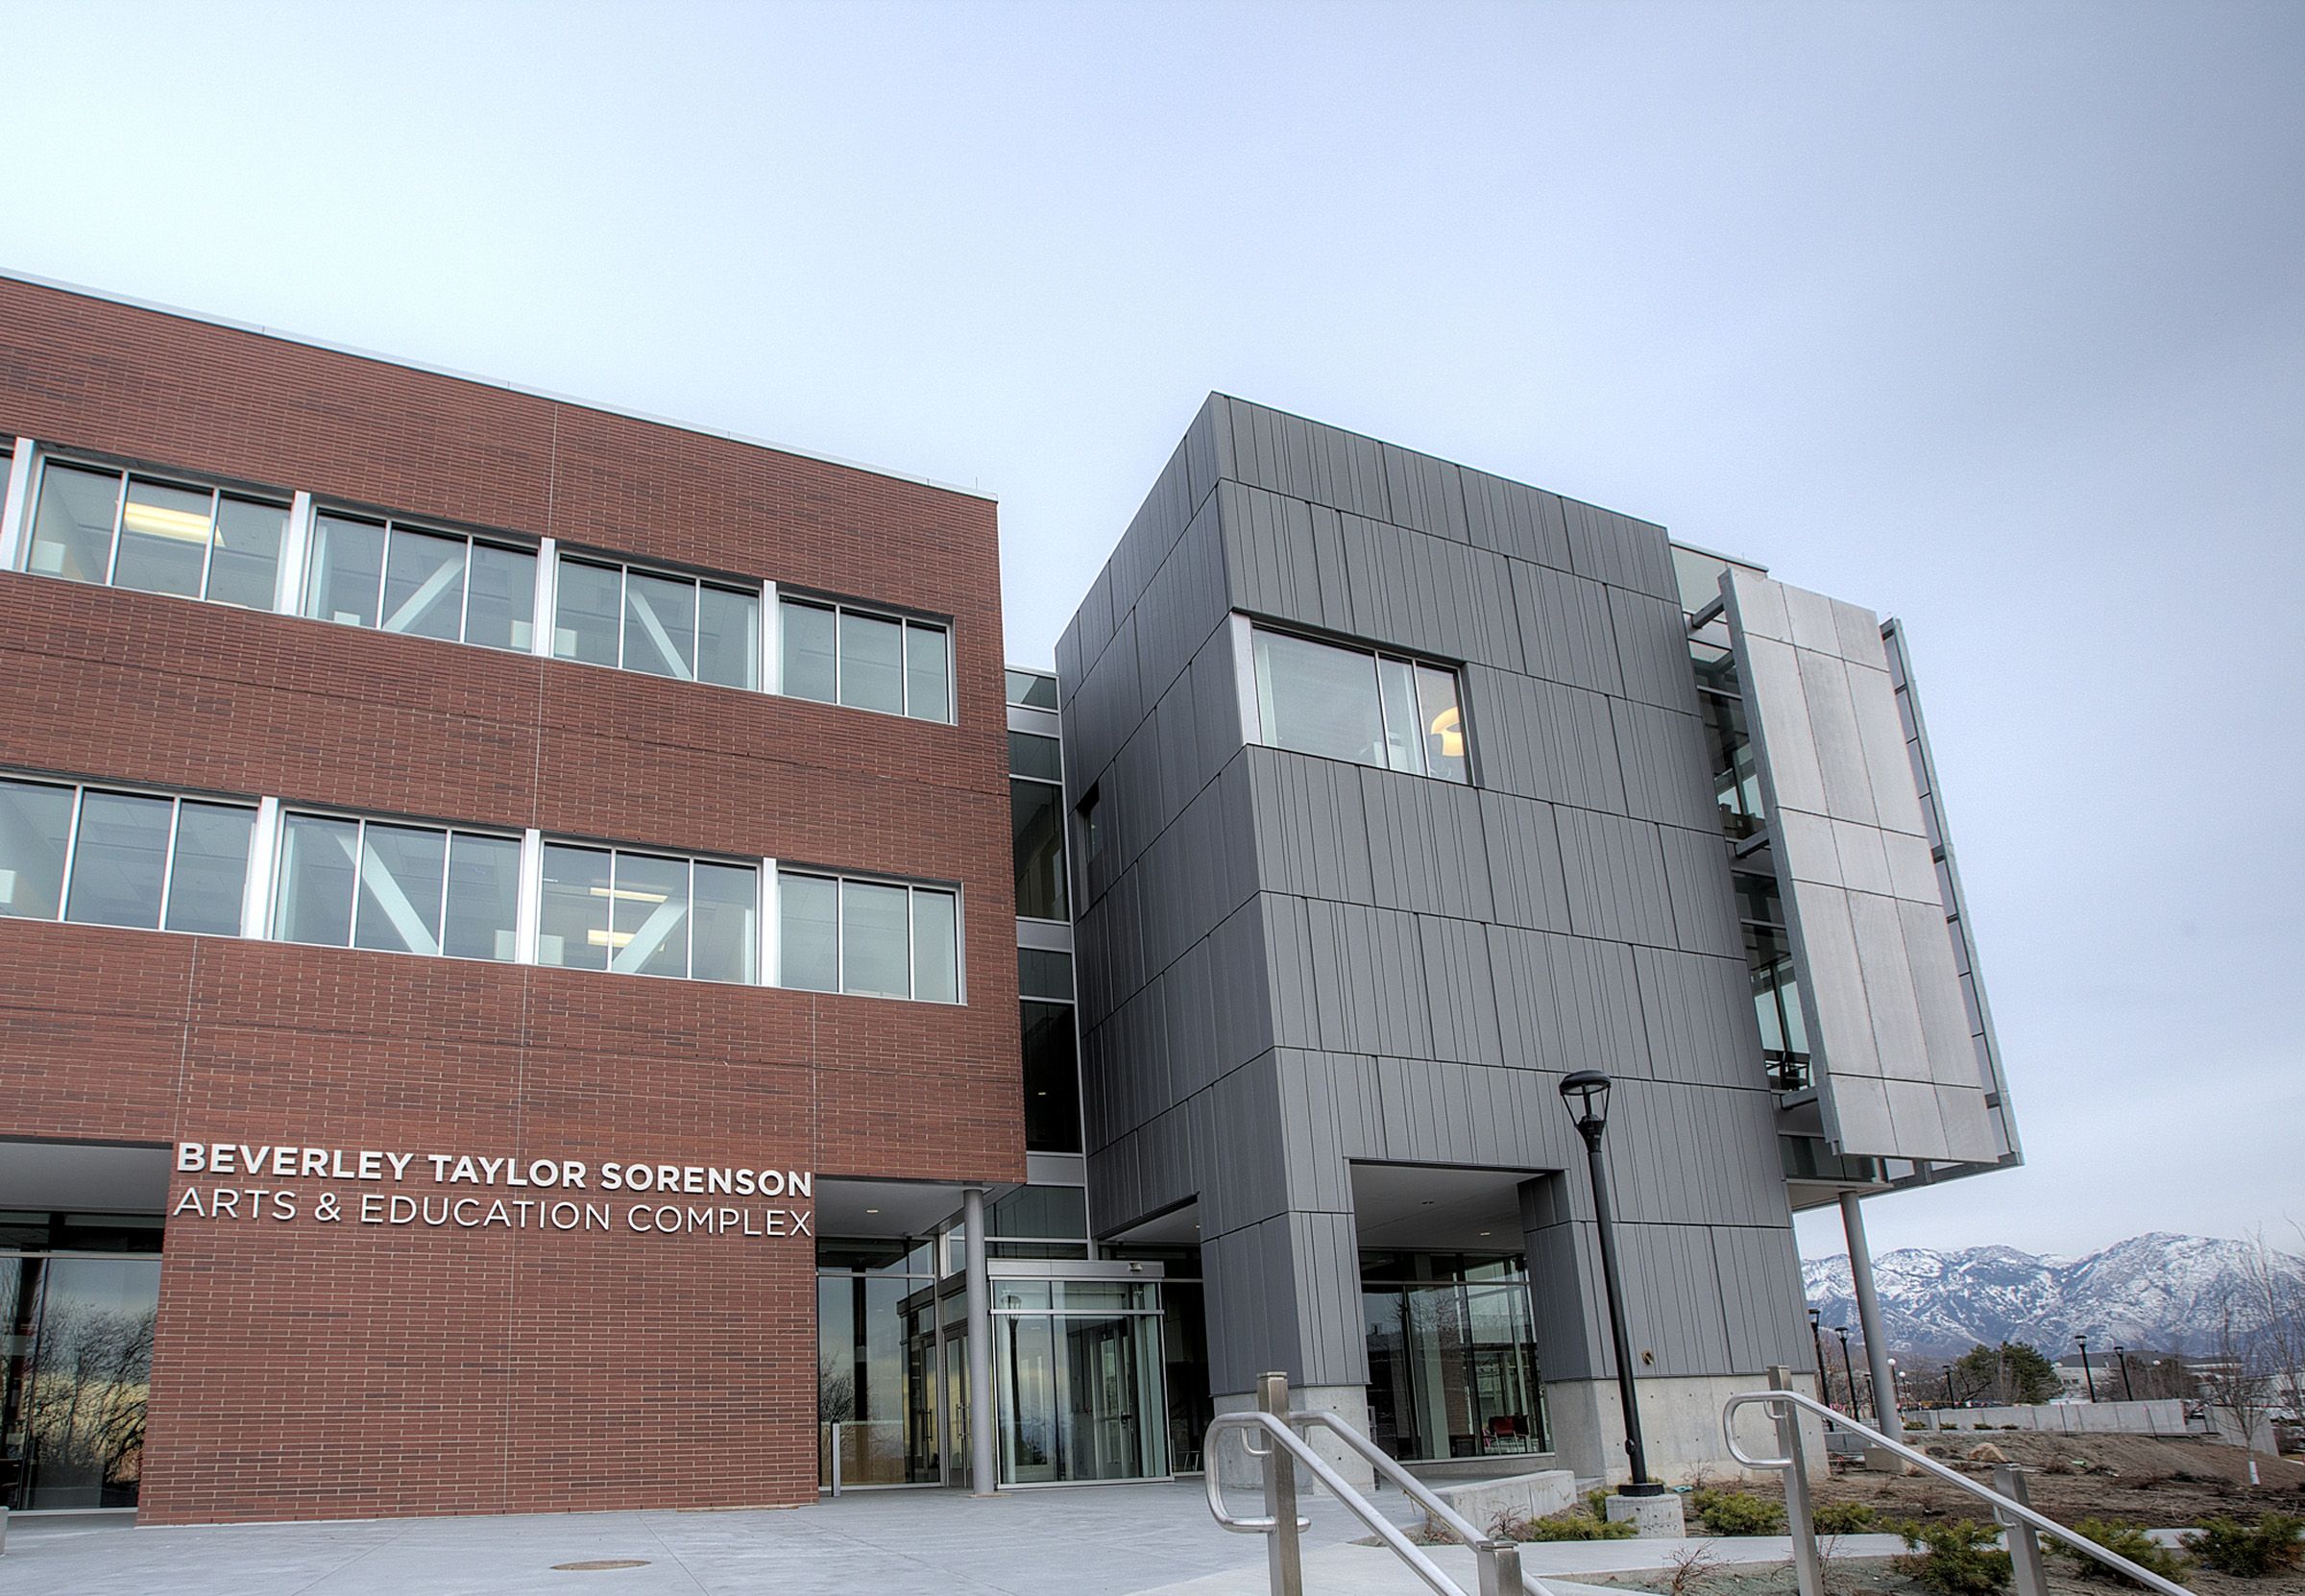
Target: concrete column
<point>1868,1317</point>
<point>985,1467</point>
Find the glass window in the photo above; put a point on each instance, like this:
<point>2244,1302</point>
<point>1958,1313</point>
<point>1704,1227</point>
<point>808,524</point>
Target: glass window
<point>423,585</point>
<point>648,914</point>
<point>348,564</point>
<point>120,859</point>
<point>728,637</point>
<point>243,567</point>
<point>1042,974</point>
<point>876,940</point>
<point>1031,690</point>
<point>499,611</point>
<point>841,656</point>
<point>1040,1213</point>
<point>1052,1081</point>
<point>869,938</point>
<point>401,873</point>
<point>1373,710</point>
<point>590,599</point>
<point>483,907</point>
<point>164,538</point>
<point>1729,746</point>
<point>72,529</point>
<point>935,947</point>
<point>659,625</point>
<point>314,899</point>
<point>872,663</point>
<point>724,938</point>
<point>1452,1356</point>
<point>208,876</point>
<point>810,933</point>
<point>35,828</point>
<point>1036,814</point>
<point>1037,756</point>
<point>573,924</point>
<point>928,673</point>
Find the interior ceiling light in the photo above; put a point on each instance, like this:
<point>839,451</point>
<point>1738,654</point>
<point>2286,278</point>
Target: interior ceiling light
<point>156,521</point>
<point>608,939</point>
<point>1449,727</point>
<point>628,897</point>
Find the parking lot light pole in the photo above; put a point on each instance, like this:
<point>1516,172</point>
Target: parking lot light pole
<point>2088,1379</point>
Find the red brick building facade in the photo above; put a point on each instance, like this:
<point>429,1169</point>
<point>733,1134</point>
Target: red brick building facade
<point>386,1362</point>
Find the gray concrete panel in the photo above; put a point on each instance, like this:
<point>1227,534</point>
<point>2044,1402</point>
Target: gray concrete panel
<point>1841,765</point>
<point>1887,972</point>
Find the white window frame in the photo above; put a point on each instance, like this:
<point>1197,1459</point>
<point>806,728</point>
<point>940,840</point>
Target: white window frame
<point>511,543</point>
<point>176,802</point>
<point>625,569</point>
<point>904,670</point>
<point>774,973</point>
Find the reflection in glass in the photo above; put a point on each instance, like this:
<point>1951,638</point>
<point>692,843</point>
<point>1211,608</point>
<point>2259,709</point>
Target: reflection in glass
<point>728,637</point>
<point>75,1374</point>
<point>1032,688</point>
<point>483,897</point>
<point>1032,755</point>
<point>164,535</point>
<point>866,1379</point>
<point>243,567</point>
<point>928,673</point>
<point>872,674</point>
<point>573,924</point>
<point>1452,1357</point>
<point>723,936</point>
<point>35,827</point>
<point>1042,974</point>
<point>1036,813</point>
<point>811,663</point>
<point>400,889</point>
<point>348,564</point>
<point>648,918</point>
<point>1442,719</point>
<point>1729,748</point>
<point>501,610</point>
<point>1080,1396</point>
<point>209,875</point>
<point>315,895</point>
<point>1316,699</point>
<point>876,938</point>
<point>1404,740</point>
<point>809,934</point>
<point>423,585</point>
<point>590,599</point>
<point>72,530</point>
<point>659,625</point>
<point>1052,1079</point>
<point>120,859</point>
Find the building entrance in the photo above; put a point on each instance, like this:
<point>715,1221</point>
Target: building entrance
<point>1452,1356</point>
<point>74,1357</point>
<point>1077,1367</point>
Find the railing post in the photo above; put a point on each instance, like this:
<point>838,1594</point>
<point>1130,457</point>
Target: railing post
<point>1809,1573</point>
<point>835,1457</point>
<point>1283,1561</point>
<point>1500,1569</point>
<point>2025,1547</point>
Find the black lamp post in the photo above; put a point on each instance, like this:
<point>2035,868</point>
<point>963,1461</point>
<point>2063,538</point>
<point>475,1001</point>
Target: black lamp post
<point>1951,1400</point>
<point>2088,1379</point>
<point>1585,1095</point>
<point>1824,1377</point>
<point>1848,1371</point>
<point>2120,1353</point>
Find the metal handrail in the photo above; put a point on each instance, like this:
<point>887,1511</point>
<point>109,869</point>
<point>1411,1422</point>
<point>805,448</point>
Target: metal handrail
<point>2007,1511</point>
<point>1499,1561</point>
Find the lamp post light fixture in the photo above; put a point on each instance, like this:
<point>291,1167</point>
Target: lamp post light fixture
<point>1824,1375</point>
<point>1586,1096</point>
<point>1847,1369</point>
<point>2120,1353</point>
<point>2088,1379</point>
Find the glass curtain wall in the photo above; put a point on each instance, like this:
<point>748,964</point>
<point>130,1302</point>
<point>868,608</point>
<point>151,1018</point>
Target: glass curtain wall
<point>1076,1364</point>
<point>876,1363</point>
<point>1452,1356</point>
<point>1184,1349</point>
<point>75,1358</point>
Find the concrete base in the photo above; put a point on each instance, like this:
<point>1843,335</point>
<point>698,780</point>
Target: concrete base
<point>1880,1459</point>
<point>1653,1517</point>
<point>1680,1421</point>
<point>1349,1403</point>
<point>1522,1497</point>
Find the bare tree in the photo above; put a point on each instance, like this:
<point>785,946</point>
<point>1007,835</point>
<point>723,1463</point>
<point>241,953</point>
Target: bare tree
<point>2274,1288</point>
<point>2237,1382</point>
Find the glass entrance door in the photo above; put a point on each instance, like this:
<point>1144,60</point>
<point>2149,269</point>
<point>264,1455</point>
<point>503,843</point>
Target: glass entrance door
<point>75,1371</point>
<point>1078,1376</point>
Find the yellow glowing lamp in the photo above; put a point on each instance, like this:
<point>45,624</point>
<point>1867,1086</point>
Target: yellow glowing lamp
<point>157,520</point>
<point>1448,726</point>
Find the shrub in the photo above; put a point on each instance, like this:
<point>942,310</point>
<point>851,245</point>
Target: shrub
<point>1959,1558</point>
<point>1737,1512</point>
<point>2010,1426</point>
<point>1575,1524</point>
<point>2122,1538</point>
<point>2251,1551</point>
<point>1918,1424</point>
<point>1841,1518</point>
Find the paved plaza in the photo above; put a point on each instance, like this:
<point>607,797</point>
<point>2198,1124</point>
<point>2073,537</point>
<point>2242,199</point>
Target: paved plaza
<point>1114,1540</point>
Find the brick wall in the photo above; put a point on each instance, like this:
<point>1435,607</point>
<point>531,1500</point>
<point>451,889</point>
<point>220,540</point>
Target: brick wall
<point>309,1369</point>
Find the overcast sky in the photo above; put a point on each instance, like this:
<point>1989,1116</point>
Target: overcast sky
<point>1989,317</point>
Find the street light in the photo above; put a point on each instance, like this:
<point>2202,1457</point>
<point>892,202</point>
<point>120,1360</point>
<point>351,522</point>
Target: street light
<point>1848,1372</point>
<point>1824,1378</point>
<point>2088,1379</point>
<point>2128,1393</point>
<point>1586,1096</point>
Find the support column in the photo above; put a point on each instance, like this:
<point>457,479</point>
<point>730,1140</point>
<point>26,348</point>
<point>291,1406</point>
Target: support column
<point>1868,1317</point>
<point>985,1467</point>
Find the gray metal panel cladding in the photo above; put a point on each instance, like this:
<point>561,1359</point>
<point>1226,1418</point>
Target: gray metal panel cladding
<point>1683,997</point>
<point>1879,987</point>
<point>1570,635</point>
<point>1525,880</point>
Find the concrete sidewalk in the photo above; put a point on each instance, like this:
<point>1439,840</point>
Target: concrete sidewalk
<point>1113,1541</point>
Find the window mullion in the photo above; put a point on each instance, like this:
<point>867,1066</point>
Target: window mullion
<point>63,893</point>
<point>263,871</point>
<point>208,562</point>
<point>15,505</point>
<point>544,607</point>
<point>296,554</point>
<point>448,866</point>
<point>111,559</point>
<point>769,950</point>
<point>772,658</point>
<point>623,601</point>
<point>528,912</point>
<point>463,617</point>
<point>176,823</point>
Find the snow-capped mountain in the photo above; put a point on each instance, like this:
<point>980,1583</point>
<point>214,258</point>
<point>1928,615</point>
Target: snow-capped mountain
<point>2158,1291</point>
